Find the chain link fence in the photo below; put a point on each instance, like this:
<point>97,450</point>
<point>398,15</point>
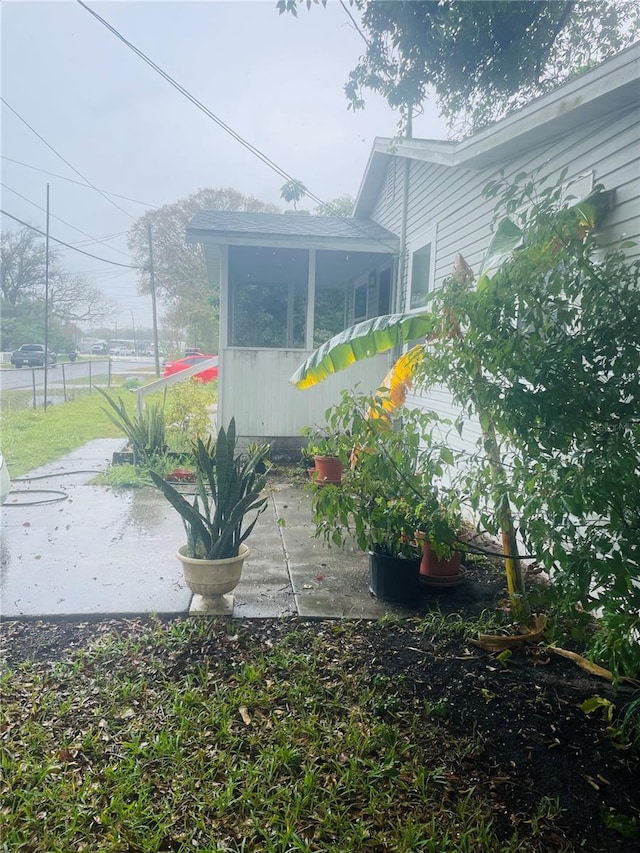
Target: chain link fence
<point>25,387</point>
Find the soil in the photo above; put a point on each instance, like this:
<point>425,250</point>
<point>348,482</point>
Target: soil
<point>537,740</point>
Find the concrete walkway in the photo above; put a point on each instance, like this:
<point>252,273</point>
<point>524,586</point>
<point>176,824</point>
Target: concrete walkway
<point>86,550</point>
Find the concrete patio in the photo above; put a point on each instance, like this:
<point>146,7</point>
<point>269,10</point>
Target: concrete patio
<point>70,548</point>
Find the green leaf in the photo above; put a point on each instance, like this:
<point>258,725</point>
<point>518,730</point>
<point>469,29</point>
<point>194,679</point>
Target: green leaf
<point>505,239</point>
<point>362,341</point>
<point>598,702</point>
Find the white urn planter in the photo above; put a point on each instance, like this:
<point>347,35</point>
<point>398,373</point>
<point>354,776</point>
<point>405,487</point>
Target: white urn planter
<point>211,582</point>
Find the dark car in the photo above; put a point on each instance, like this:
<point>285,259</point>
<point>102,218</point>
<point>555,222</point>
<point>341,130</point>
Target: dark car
<point>207,375</point>
<point>33,355</point>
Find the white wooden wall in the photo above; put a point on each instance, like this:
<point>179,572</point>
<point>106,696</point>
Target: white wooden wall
<point>274,407</point>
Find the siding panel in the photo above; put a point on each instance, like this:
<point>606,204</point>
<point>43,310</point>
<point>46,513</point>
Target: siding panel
<point>450,199</point>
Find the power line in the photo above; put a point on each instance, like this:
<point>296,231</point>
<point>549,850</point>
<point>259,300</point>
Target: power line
<point>68,245</point>
<point>107,237</point>
<point>64,222</point>
<point>57,153</point>
<point>78,183</point>
<point>255,151</point>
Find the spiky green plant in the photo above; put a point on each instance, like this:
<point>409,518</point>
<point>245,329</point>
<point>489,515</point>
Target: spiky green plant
<point>228,488</point>
<point>146,430</point>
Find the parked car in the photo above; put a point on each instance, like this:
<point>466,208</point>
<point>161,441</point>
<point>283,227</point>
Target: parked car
<point>207,375</point>
<point>98,349</point>
<point>32,355</point>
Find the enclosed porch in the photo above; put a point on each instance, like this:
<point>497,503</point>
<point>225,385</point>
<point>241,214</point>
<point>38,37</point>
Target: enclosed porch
<point>288,283</point>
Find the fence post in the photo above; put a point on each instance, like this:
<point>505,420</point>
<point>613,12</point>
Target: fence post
<point>33,385</point>
<point>64,383</point>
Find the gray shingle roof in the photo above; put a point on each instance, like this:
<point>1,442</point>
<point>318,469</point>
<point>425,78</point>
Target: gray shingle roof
<point>287,225</point>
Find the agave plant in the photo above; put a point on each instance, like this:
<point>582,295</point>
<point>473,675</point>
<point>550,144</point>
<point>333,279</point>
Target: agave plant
<point>228,489</point>
<point>146,430</point>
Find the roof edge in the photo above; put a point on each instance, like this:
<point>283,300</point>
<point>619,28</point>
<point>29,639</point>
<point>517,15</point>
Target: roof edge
<point>594,93</point>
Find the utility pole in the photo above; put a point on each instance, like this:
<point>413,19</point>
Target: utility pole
<point>152,280</point>
<point>46,306</point>
<point>135,344</point>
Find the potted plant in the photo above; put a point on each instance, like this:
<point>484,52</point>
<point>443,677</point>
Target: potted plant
<point>327,449</point>
<point>225,508</point>
<point>440,567</point>
<point>386,492</point>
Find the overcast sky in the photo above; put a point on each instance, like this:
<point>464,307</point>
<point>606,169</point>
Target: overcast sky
<point>276,80</point>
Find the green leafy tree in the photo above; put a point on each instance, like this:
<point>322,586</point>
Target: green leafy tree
<point>293,191</point>
<point>189,301</point>
<point>483,58</point>
<point>544,350</point>
<point>340,206</point>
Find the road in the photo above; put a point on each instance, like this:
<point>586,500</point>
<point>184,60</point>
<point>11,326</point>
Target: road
<point>12,378</point>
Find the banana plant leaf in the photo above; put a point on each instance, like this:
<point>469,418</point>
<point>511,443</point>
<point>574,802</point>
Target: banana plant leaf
<point>362,341</point>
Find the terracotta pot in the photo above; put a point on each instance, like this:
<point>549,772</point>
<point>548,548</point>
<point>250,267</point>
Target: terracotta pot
<point>433,566</point>
<point>328,469</point>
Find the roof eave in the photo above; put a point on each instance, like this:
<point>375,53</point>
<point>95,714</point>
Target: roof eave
<point>385,244</point>
<point>611,86</point>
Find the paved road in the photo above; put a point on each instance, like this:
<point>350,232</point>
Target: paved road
<point>12,378</point>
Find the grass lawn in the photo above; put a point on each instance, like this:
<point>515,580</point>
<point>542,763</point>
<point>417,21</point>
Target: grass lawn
<point>32,437</point>
<point>284,735</point>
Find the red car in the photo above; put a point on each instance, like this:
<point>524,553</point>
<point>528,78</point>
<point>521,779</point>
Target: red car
<point>207,375</point>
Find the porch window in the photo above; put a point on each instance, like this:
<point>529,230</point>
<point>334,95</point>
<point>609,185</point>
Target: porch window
<point>268,297</point>
<point>420,275</point>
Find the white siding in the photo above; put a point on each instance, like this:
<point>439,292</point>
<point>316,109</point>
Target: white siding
<point>274,407</point>
<point>449,199</point>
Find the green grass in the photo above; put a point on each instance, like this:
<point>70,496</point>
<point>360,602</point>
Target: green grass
<point>30,438</point>
<point>178,737</point>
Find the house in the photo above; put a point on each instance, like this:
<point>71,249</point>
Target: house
<point>284,279</point>
<point>288,283</point>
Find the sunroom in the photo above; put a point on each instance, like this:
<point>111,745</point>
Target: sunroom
<point>287,283</point>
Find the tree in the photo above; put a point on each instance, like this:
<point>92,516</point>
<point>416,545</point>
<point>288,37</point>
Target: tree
<point>340,206</point>
<point>544,351</point>
<point>182,284</point>
<point>75,301</point>
<point>22,269</point>
<point>72,299</point>
<point>293,191</point>
<point>484,58</point>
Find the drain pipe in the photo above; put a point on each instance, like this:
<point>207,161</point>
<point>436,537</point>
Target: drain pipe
<point>402,252</point>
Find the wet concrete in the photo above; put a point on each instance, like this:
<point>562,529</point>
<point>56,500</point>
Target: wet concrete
<point>90,551</point>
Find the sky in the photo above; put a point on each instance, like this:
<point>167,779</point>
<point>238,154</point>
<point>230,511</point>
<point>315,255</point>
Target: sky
<point>275,79</point>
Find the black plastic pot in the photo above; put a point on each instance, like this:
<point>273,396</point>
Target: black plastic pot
<point>394,579</point>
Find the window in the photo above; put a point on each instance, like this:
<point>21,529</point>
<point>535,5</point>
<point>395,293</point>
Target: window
<point>384,292</point>
<point>268,292</point>
<point>420,276</point>
<point>360,303</point>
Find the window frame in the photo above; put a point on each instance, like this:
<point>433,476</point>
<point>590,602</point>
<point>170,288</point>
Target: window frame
<point>421,241</point>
